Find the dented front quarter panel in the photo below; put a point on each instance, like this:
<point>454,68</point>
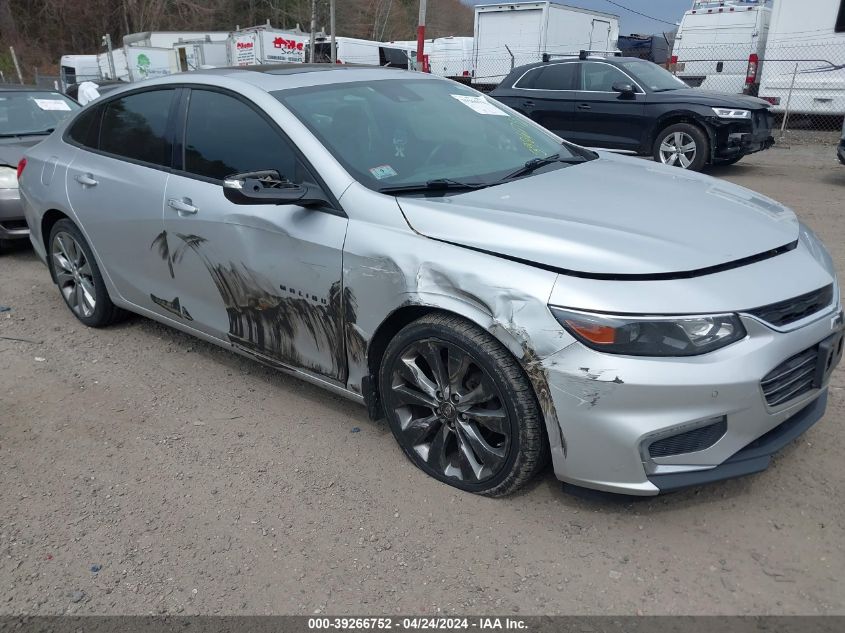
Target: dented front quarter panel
<point>388,266</point>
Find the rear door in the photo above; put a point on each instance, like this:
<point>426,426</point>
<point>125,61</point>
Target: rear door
<point>116,185</point>
<point>603,117</point>
<point>266,278</point>
<point>547,95</point>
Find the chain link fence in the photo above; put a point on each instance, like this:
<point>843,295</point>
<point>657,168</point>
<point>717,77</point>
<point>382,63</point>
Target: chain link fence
<point>805,83</point>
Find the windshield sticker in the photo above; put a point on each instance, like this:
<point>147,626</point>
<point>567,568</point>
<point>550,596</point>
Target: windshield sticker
<point>479,104</point>
<point>52,104</point>
<point>382,171</point>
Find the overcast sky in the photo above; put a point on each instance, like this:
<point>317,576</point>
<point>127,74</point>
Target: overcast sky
<point>668,10</point>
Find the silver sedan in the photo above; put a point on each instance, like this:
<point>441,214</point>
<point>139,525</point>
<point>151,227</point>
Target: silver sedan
<point>501,296</point>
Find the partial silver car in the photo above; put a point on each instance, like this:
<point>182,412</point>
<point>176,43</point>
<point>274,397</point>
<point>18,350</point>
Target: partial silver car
<point>501,296</point>
<point>27,116</point>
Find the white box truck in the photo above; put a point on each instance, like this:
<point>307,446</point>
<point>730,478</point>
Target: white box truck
<point>804,71</point>
<point>74,69</point>
<point>720,45</point>
<point>510,35</point>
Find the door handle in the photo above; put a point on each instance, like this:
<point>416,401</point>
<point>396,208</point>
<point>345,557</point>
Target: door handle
<point>183,206</point>
<point>86,180</point>
<point>528,104</point>
<point>584,106</point>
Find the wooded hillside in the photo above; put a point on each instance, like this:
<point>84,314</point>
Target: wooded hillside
<point>43,30</point>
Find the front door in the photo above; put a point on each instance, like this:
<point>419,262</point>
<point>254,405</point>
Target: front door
<point>606,118</point>
<point>115,185</point>
<point>266,278</point>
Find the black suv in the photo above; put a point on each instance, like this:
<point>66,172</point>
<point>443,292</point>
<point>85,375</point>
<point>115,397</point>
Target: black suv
<point>625,103</point>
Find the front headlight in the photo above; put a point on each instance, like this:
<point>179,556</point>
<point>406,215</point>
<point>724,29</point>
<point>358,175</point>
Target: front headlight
<point>732,113</point>
<point>651,336</point>
<point>8,177</point>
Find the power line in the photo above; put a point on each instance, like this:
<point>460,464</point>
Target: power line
<point>616,4</point>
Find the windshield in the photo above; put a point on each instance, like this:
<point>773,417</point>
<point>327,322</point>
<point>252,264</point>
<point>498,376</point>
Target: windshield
<point>652,76</point>
<point>32,112</point>
<point>400,132</point>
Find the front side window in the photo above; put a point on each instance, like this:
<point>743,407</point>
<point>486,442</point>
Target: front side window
<point>551,77</point>
<point>652,76</point>
<point>597,77</point>
<point>398,132</point>
<point>224,136</point>
<point>32,112</point>
<point>135,126</point>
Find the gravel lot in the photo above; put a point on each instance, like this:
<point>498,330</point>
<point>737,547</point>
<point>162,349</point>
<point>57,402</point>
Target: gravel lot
<point>144,471</point>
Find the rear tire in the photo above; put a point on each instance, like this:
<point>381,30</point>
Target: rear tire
<point>682,145</point>
<point>78,276</point>
<point>461,407</point>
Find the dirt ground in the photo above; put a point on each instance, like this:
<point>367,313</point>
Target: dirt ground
<point>144,471</point>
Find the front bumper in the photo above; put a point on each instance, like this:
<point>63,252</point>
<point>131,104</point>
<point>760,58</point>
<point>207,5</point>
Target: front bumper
<point>12,222</point>
<point>611,407</point>
<point>738,138</point>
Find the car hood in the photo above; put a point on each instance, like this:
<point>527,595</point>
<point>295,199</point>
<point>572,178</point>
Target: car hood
<point>614,216</point>
<point>13,149</point>
<point>707,98</point>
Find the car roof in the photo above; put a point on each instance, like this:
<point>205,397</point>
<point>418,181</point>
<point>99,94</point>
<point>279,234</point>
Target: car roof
<point>271,78</point>
<point>17,88</point>
<point>610,59</point>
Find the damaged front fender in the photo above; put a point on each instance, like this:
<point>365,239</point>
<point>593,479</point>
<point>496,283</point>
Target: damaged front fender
<point>390,268</point>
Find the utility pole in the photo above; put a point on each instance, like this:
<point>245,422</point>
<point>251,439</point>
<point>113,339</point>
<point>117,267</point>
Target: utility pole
<point>107,44</point>
<point>17,66</point>
<point>332,7</point>
<point>421,38</point>
<point>312,43</point>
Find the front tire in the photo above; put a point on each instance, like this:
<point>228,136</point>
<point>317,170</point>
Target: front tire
<point>682,145</point>
<point>78,277</point>
<point>461,407</point>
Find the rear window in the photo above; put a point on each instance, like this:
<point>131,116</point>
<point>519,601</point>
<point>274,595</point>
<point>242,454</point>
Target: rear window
<point>135,126</point>
<point>85,130</point>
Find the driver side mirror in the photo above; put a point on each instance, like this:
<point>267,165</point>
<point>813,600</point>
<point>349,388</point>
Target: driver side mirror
<point>625,89</point>
<point>268,187</point>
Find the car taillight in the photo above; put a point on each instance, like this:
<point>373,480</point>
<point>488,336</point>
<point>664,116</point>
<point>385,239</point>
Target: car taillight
<point>466,73</point>
<point>753,63</point>
<point>21,167</point>
<point>772,100</point>
<point>673,59</point>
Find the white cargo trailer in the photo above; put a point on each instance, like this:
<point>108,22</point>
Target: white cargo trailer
<point>168,39</point>
<point>804,70</point>
<point>720,45</point>
<point>193,55</point>
<point>266,45</point>
<point>121,71</point>
<point>510,35</point>
<point>148,62</point>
